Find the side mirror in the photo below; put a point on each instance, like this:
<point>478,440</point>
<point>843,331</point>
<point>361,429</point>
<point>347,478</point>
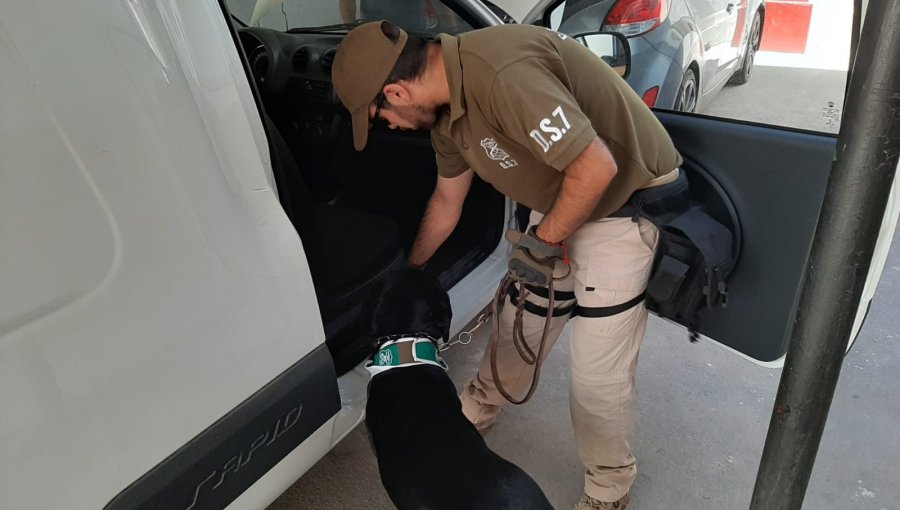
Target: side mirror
<point>611,47</point>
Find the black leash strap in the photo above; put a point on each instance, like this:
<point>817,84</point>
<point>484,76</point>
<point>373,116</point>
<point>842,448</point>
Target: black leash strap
<point>529,357</point>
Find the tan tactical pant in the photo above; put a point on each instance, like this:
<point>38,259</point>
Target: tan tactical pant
<point>610,264</point>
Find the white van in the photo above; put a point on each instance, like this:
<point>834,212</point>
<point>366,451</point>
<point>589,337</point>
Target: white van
<point>188,242</point>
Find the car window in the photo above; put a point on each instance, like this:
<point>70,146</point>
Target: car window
<point>768,61</point>
<point>420,16</point>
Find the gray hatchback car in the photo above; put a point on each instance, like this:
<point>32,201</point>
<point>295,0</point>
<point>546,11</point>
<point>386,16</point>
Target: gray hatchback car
<point>682,51</point>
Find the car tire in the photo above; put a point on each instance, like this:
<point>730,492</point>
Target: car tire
<point>686,98</point>
<point>742,75</point>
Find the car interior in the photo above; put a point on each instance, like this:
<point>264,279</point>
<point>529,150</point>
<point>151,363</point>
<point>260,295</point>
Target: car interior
<point>357,213</point>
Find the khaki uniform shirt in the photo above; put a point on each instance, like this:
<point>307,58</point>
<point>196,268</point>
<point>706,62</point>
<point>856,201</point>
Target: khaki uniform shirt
<point>526,101</point>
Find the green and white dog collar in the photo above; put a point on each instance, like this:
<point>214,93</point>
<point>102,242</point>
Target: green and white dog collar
<point>405,352</point>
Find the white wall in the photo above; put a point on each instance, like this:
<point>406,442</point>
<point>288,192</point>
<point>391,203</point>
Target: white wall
<point>828,46</point>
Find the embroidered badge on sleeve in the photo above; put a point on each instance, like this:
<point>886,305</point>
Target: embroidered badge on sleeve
<point>497,154</point>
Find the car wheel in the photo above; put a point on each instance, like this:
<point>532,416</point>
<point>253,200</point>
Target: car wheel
<point>686,100</point>
<point>742,75</point>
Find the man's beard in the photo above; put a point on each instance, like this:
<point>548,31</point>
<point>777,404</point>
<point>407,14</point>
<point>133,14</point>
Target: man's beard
<point>421,117</point>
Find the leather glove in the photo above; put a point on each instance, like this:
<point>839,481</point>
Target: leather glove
<point>532,260</point>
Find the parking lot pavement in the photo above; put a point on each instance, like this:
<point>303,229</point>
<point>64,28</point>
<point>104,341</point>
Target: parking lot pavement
<point>797,98</point>
<point>703,416</point>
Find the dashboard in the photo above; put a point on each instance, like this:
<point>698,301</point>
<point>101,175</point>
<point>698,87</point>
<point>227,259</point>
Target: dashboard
<point>292,72</point>
<point>297,65</point>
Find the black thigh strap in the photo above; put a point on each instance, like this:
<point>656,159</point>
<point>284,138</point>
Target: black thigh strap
<point>513,294</point>
<point>573,309</point>
<point>608,311</point>
<point>544,292</point>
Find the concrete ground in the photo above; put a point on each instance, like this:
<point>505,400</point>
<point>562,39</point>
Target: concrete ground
<point>703,411</point>
<point>703,417</point>
<point>797,98</point>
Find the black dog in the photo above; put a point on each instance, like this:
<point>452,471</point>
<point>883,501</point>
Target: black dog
<point>429,455</point>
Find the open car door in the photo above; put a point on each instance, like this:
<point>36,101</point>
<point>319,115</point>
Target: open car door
<point>160,340</point>
<point>766,182</point>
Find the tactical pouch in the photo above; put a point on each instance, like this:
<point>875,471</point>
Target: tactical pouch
<point>694,256</point>
<point>694,260</point>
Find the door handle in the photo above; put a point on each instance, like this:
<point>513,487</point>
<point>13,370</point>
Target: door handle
<point>730,8</point>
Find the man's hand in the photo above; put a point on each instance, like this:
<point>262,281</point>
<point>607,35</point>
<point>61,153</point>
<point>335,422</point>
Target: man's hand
<point>441,216</point>
<point>532,260</point>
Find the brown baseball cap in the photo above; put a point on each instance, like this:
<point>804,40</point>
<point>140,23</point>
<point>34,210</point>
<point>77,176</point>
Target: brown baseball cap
<point>364,61</point>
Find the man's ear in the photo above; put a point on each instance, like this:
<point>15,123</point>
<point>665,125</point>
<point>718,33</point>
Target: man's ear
<point>398,94</point>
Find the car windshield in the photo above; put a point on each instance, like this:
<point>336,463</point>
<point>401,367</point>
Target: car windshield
<point>429,17</point>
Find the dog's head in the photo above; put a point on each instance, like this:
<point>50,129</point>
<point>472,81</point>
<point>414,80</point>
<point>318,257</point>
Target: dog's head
<point>411,302</point>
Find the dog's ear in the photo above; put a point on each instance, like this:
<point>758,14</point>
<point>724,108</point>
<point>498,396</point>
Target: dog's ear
<point>373,304</point>
<point>439,303</point>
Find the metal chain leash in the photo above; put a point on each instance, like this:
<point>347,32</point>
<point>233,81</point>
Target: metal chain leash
<point>466,336</point>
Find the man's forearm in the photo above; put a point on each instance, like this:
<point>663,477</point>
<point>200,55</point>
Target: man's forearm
<point>437,225</point>
<point>585,181</point>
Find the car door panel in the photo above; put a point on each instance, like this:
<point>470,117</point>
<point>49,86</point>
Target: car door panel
<point>775,179</point>
<point>217,465</point>
<point>155,282</point>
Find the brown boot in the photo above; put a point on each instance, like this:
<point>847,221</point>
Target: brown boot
<point>589,503</point>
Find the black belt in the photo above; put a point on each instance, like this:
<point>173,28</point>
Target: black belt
<point>573,309</point>
<point>665,201</point>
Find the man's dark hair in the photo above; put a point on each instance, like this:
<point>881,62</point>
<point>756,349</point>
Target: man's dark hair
<point>414,57</point>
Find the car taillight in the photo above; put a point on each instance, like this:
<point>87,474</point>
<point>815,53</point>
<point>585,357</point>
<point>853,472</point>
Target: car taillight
<point>636,17</point>
<point>650,96</point>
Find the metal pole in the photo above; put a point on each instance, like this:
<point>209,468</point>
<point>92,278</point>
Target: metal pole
<point>855,200</point>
